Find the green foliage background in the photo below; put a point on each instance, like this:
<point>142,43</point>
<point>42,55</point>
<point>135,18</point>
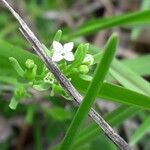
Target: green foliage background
<point>124,84</point>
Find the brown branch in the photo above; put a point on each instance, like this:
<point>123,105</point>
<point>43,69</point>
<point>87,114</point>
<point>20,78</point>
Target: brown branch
<point>64,82</point>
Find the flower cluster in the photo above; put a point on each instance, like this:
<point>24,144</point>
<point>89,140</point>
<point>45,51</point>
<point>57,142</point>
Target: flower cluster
<point>71,62</point>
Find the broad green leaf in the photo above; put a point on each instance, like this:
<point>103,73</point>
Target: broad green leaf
<point>8,50</point>
<point>9,28</point>
<point>8,80</point>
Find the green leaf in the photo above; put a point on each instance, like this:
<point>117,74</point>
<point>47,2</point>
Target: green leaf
<point>141,131</point>
<point>13,103</point>
<point>145,5</point>
<point>58,113</point>
<point>115,93</point>
<point>8,50</point>
<point>9,80</point>
<point>127,77</point>
<point>30,114</point>
<point>94,88</point>
<point>114,118</point>
<point>135,18</point>
<point>17,66</point>
<point>138,64</point>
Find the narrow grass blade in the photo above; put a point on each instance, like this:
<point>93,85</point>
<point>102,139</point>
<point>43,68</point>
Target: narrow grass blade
<point>94,88</point>
<point>114,118</point>
<point>115,93</point>
<point>136,18</point>
<point>139,64</point>
<point>129,79</point>
<point>141,131</point>
<point>91,132</point>
<point>145,5</point>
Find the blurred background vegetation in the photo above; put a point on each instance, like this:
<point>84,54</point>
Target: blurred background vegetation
<point>41,122</point>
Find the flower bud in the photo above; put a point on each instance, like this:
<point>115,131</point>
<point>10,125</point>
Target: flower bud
<point>49,78</point>
<point>19,93</point>
<point>29,63</point>
<point>31,69</point>
<point>83,69</point>
<point>88,60</point>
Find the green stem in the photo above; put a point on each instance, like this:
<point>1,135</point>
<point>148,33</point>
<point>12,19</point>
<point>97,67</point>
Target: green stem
<point>37,135</point>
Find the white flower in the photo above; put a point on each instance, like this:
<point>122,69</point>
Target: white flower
<point>62,51</point>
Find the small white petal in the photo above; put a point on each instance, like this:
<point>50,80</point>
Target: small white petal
<point>68,46</point>
<point>57,57</point>
<point>69,56</point>
<point>57,46</point>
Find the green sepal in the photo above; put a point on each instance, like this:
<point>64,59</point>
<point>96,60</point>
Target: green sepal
<point>57,36</point>
<point>13,103</point>
<point>47,51</point>
<point>42,87</point>
<point>86,77</point>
